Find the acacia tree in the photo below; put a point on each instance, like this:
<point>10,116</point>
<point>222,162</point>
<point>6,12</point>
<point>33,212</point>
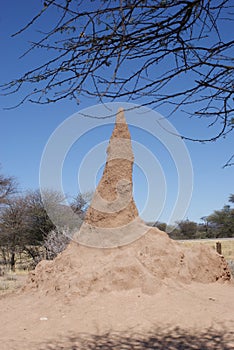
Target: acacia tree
<point>81,202</point>
<point>7,188</point>
<point>174,52</point>
<point>24,225</point>
<point>231,198</point>
<point>221,222</point>
<point>13,230</point>
<point>58,239</point>
<point>37,219</point>
<point>187,229</point>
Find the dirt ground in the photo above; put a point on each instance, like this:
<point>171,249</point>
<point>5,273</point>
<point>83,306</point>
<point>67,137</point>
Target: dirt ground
<point>152,294</point>
<point>177,316</point>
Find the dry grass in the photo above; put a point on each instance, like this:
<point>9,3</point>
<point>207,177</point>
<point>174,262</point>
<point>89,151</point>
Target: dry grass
<point>227,245</point>
<point>12,281</point>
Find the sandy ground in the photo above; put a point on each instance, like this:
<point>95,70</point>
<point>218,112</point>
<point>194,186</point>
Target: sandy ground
<point>178,316</point>
<point>135,297</point>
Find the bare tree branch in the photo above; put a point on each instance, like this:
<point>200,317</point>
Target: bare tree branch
<point>157,52</point>
<point>230,162</point>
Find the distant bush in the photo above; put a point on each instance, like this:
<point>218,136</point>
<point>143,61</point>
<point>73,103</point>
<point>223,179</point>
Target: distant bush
<point>55,243</point>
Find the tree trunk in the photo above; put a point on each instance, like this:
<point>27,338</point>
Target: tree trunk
<point>12,262</point>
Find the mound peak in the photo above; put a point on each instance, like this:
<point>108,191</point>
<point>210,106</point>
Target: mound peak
<point>112,218</point>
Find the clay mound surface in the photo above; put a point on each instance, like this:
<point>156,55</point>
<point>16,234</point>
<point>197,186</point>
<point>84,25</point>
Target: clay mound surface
<point>131,255</point>
<point>146,264</point>
<point>113,205</point>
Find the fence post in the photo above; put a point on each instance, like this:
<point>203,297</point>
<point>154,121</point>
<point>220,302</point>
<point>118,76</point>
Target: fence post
<point>219,248</point>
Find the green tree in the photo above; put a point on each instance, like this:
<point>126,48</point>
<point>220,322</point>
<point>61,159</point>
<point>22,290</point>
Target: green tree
<point>222,222</point>
<point>160,225</point>
<point>187,229</point>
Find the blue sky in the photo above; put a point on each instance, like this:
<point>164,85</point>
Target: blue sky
<point>26,130</point>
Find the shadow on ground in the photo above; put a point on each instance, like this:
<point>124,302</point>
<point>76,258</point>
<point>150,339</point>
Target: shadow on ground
<point>159,339</point>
